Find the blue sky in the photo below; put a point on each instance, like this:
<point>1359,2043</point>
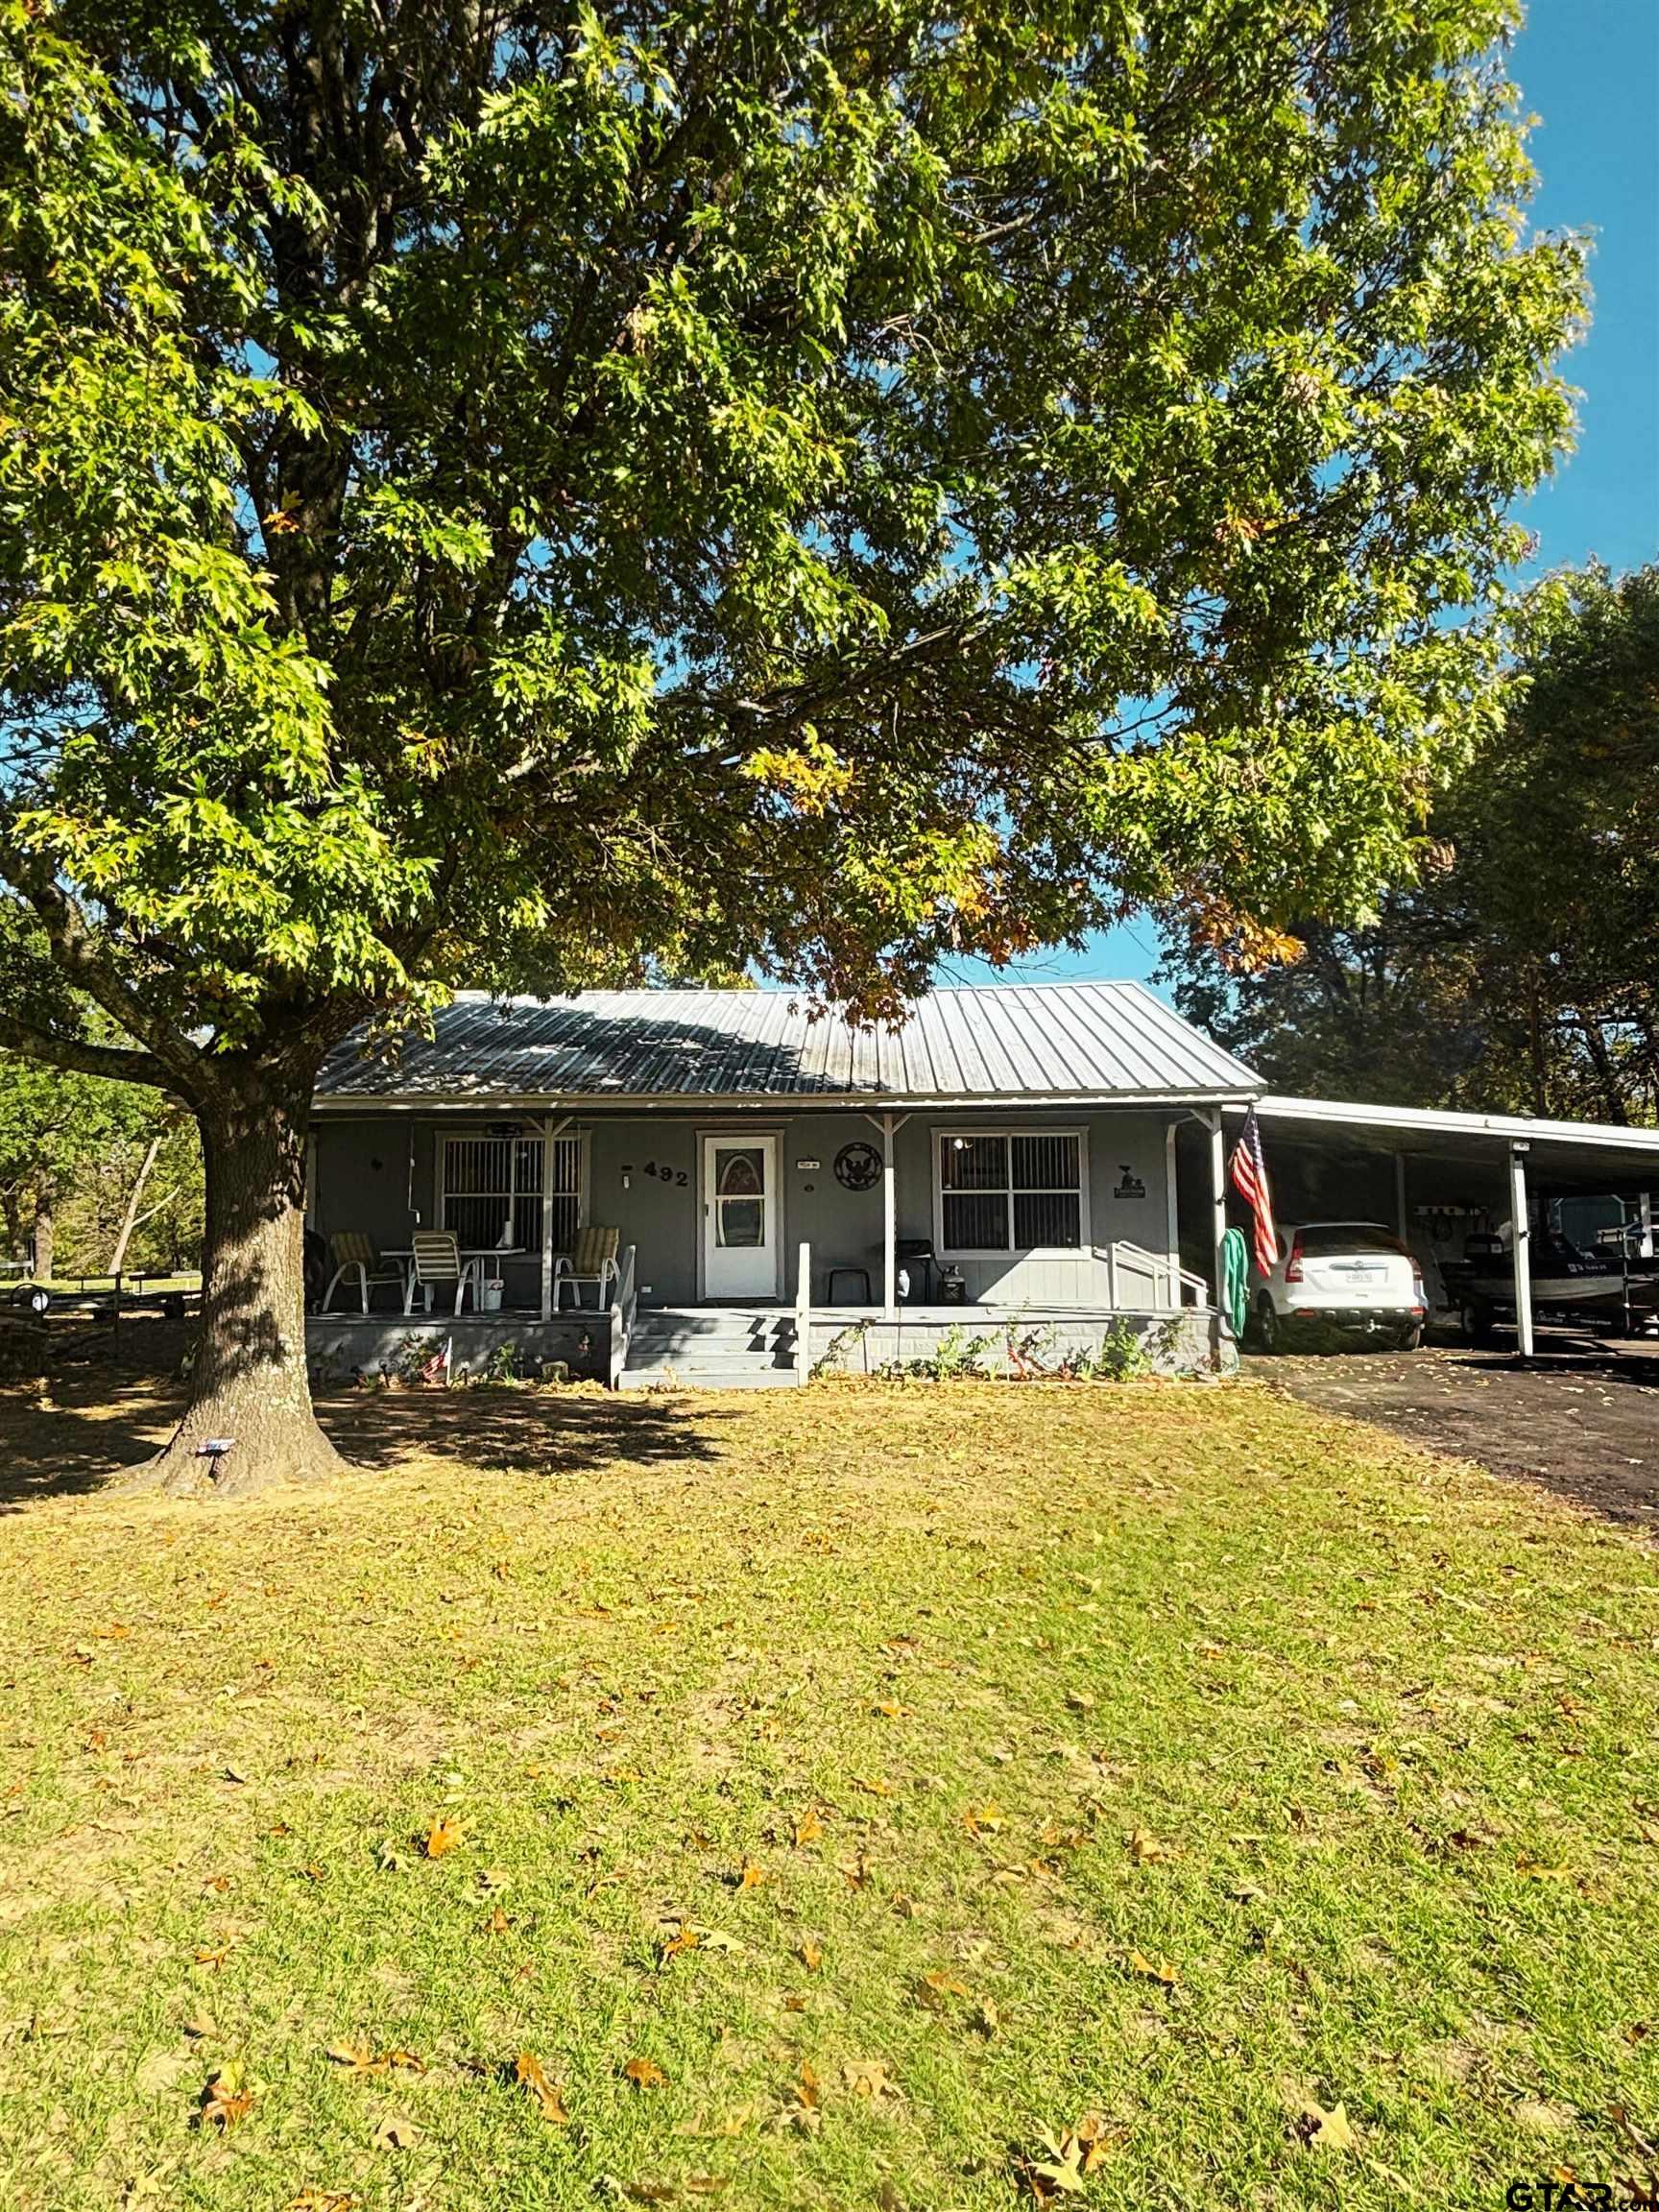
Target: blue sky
<point>1589,70</point>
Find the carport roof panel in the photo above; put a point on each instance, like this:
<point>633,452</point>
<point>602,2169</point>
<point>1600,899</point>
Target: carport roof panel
<point>1583,1152</point>
<point>1077,1041</point>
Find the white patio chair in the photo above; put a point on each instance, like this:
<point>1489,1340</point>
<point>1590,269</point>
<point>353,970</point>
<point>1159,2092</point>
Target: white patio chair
<point>591,1259</point>
<point>354,1254</point>
<point>437,1259</point>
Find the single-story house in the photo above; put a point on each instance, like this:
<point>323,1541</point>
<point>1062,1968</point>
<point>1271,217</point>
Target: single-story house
<point>1041,1162</point>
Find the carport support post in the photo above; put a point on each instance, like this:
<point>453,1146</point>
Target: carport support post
<point>1218,1199</point>
<point>1401,1217</point>
<point>1520,1248</point>
<point>889,1224</point>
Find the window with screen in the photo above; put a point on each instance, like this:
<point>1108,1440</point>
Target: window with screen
<point>1011,1190</point>
<point>490,1182</point>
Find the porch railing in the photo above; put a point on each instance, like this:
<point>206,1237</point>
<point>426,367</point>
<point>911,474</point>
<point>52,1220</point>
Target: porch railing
<point>1169,1280</point>
<point>624,1306</point>
<point>803,1314</point>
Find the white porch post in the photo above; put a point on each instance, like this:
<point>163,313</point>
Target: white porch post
<point>1171,1216</point>
<point>889,1224</point>
<point>1520,1248</point>
<point>546,1218</point>
<point>1217,1198</point>
<point>1401,1217</point>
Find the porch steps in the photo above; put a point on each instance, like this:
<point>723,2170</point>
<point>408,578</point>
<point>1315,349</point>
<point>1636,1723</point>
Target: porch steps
<point>711,1348</point>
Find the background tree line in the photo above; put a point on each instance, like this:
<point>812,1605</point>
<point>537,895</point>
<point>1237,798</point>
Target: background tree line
<point>1521,972</point>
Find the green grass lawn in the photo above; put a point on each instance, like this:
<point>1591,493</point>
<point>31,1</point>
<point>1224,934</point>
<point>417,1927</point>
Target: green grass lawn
<point>819,1799</point>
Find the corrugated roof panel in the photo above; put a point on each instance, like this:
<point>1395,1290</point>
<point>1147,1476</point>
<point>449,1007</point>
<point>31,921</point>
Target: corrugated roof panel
<point>1077,1041</point>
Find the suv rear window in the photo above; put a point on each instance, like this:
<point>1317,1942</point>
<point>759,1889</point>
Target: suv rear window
<point>1326,1237</point>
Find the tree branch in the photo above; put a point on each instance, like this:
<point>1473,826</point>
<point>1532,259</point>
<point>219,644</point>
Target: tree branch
<point>81,1056</point>
<point>78,952</point>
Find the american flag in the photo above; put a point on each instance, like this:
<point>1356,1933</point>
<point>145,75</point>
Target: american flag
<point>1249,1177</point>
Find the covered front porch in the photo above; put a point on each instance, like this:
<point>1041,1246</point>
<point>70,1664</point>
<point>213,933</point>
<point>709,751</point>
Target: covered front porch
<point>866,1236</point>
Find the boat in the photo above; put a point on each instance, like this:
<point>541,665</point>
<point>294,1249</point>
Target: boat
<point>1568,1284</point>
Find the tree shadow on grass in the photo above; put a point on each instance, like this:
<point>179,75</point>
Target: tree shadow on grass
<point>525,1432</point>
<point>71,1436</point>
<point>95,1407</point>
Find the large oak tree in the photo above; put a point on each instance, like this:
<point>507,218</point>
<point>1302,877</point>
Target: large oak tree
<point>517,492</point>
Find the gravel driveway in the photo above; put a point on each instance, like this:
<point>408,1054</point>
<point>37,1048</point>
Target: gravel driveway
<point>1583,1420</point>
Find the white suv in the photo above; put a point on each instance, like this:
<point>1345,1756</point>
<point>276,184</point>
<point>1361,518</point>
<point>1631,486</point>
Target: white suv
<point>1351,1277</point>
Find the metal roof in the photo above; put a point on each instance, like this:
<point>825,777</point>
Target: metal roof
<point>1073,1043</point>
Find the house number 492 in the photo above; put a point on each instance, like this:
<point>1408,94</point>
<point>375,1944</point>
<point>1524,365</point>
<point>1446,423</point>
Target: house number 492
<point>675,1175</point>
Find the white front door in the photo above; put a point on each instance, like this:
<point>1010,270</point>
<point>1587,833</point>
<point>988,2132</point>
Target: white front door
<point>740,1218</point>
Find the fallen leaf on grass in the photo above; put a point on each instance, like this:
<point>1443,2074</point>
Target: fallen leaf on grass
<point>532,2076</point>
<point>1146,1849</point>
<point>224,2100</point>
<point>361,2058</point>
<point>208,1956</point>
<point>806,1827</point>
<point>497,1923</point>
<point>810,1954</point>
<point>986,1818</point>
<point>985,2019</point>
<point>395,2134</point>
<point>1059,2162</point>
<point>751,1875</point>
<point>325,2200</point>
<point>1154,1969</point>
<point>867,2077</point>
<point>443,1835</point>
<point>644,2074</point>
<point>935,1986</point>
<point>1323,2130</point>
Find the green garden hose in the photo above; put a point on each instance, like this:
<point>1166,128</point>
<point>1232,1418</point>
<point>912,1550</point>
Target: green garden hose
<point>1235,1277</point>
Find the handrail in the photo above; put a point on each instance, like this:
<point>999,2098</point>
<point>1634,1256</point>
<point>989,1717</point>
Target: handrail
<point>803,1314</point>
<point>1166,1271</point>
<point>624,1306</point>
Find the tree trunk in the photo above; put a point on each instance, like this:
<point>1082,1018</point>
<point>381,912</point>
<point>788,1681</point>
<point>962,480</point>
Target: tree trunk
<point>129,1220</point>
<point>250,1393</point>
<point>45,1236</point>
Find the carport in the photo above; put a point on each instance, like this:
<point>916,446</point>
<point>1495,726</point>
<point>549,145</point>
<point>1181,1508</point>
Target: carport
<point>1439,1177</point>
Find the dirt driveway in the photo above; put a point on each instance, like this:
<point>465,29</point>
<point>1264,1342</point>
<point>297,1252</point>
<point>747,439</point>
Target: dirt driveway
<point>1583,1419</point>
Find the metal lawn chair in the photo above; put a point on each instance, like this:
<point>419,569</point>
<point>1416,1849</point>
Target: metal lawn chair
<point>593,1258</point>
<point>354,1254</point>
<point>437,1259</point>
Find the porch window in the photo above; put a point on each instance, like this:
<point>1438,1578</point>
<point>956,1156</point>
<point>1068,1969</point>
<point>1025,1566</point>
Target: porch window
<point>1011,1190</point>
<point>488,1182</point>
